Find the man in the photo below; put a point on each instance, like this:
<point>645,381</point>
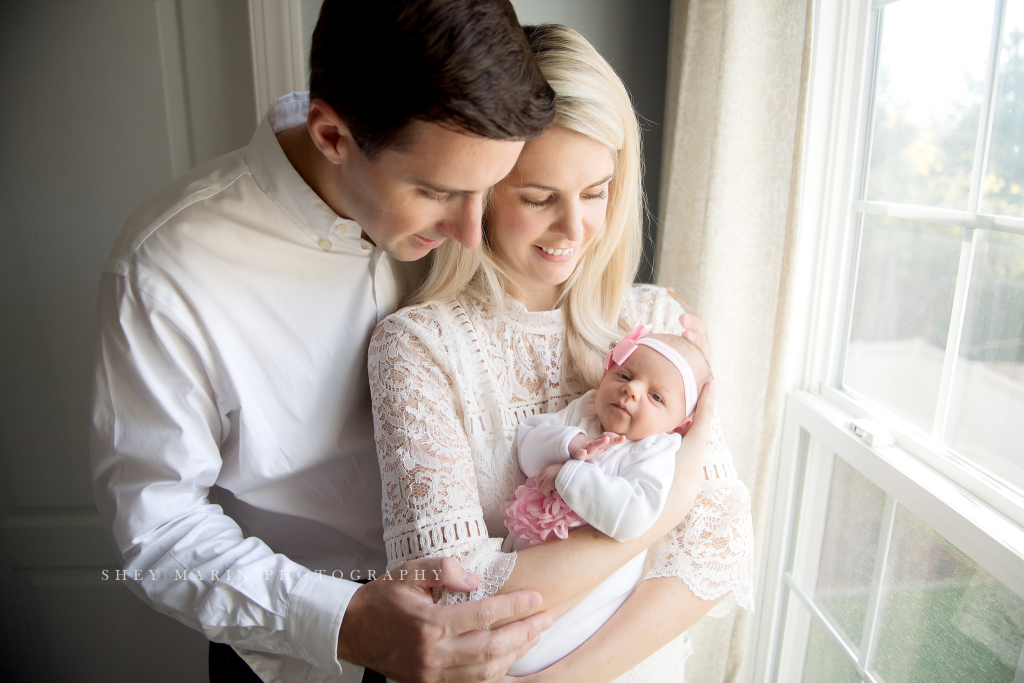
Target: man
<point>232,439</point>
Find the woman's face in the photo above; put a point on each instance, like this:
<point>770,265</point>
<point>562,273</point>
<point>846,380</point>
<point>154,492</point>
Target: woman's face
<point>548,211</point>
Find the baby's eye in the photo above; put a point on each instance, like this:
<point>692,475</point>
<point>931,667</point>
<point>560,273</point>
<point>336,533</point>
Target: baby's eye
<point>623,377</point>
<point>656,398</point>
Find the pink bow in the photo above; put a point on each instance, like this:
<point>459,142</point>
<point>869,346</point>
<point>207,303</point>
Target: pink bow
<point>624,348</point>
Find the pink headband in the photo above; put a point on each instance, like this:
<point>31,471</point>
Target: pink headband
<point>624,348</point>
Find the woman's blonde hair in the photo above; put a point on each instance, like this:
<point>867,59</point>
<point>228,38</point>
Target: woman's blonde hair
<point>591,100</point>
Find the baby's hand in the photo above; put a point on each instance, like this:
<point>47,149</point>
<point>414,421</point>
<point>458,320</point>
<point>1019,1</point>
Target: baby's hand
<point>545,479</point>
<point>582,447</point>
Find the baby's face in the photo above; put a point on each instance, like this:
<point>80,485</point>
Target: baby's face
<point>642,397</point>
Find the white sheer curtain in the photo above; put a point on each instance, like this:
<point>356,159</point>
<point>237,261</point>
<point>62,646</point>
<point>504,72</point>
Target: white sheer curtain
<point>736,100</point>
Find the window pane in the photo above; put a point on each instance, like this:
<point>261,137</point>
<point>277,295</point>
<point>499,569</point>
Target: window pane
<point>944,618</point>
<point>928,97</point>
<point>1004,176</point>
<point>848,549</point>
<point>901,312</point>
<point>986,416</point>
<point>824,663</point>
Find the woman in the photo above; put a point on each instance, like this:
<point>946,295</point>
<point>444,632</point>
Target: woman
<point>520,326</point>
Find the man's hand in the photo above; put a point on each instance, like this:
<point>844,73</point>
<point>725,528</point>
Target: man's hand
<point>582,447</point>
<point>395,628</point>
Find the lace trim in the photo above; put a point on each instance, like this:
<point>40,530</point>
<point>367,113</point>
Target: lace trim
<point>493,570</point>
<point>712,551</point>
<point>435,536</point>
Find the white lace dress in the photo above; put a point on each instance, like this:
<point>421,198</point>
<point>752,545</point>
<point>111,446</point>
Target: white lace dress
<point>450,383</point>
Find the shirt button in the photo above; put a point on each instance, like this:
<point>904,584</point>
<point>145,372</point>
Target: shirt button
<point>342,229</point>
<point>325,244</point>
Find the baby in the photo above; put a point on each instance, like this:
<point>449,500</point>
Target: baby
<point>608,460</point>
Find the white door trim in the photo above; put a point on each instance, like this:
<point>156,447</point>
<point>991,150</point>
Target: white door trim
<point>275,31</point>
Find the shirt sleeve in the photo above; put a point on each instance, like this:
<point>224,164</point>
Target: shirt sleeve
<point>431,501</point>
<point>544,440</point>
<point>626,502</point>
<point>154,443</point>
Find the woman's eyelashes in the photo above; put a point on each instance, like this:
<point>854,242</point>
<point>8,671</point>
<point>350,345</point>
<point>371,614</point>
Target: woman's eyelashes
<point>536,203</point>
<point>550,199</point>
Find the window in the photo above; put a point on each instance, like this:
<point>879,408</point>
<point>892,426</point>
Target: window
<point>895,547</point>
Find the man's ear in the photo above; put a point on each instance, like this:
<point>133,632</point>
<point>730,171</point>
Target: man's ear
<point>329,132</point>
<point>684,426</point>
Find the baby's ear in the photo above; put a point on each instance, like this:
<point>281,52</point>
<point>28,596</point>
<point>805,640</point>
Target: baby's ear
<point>684,426</point>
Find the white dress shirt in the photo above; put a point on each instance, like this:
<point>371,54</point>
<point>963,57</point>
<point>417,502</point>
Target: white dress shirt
<point>232,437</point>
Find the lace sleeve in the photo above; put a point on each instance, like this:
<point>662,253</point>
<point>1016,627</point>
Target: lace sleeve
<point>712,551</point>
<point>431,503</point>
<point>654,306</point>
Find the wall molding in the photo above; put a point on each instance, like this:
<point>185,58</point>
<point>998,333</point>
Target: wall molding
<point>275,30</point>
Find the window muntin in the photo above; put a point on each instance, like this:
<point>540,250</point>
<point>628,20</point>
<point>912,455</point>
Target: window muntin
<point>986,412</point>
<point>893,601</point>
<point>1004,175</point>
<point>903,300</point>
<point>929,79</point>
<point>933,333</point>
<point>820,616</point>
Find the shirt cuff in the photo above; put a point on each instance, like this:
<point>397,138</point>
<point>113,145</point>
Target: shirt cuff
<point>565,475</point>
<point>315,610</point>
<point>562,446</point>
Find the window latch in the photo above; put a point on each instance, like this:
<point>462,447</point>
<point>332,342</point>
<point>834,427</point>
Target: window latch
<point>873,433</point>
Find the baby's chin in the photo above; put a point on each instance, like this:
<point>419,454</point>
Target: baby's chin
<point>641,435</point>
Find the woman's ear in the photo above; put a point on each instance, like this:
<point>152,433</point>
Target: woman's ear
<point>684,426</point>
<point>329,132</point>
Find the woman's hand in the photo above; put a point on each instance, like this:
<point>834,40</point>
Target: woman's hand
<point>694,329</point>
<point>689,464</point>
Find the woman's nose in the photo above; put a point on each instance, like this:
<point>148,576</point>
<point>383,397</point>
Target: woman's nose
<point>570,224</point>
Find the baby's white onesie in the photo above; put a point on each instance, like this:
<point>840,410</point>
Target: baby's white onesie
<point>620,492</point>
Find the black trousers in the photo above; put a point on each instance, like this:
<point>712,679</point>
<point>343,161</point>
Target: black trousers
<point>227,667</point>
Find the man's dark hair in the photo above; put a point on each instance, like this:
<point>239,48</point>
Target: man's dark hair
<point>465,64</point>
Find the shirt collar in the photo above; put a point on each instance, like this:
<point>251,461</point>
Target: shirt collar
<point>279,179</point>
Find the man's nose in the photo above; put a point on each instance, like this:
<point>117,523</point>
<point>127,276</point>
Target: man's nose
<point>463,225</point>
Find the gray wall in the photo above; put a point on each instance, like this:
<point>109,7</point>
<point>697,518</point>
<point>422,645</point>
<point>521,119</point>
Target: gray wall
<point>104,103</point>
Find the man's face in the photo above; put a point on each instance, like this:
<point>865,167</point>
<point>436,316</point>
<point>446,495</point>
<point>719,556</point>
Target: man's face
<point>410,199</point>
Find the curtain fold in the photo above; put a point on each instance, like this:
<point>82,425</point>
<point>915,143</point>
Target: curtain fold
<point>735,109</point>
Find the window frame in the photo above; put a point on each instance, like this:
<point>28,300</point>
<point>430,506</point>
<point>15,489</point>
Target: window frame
<point>977,513</point>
